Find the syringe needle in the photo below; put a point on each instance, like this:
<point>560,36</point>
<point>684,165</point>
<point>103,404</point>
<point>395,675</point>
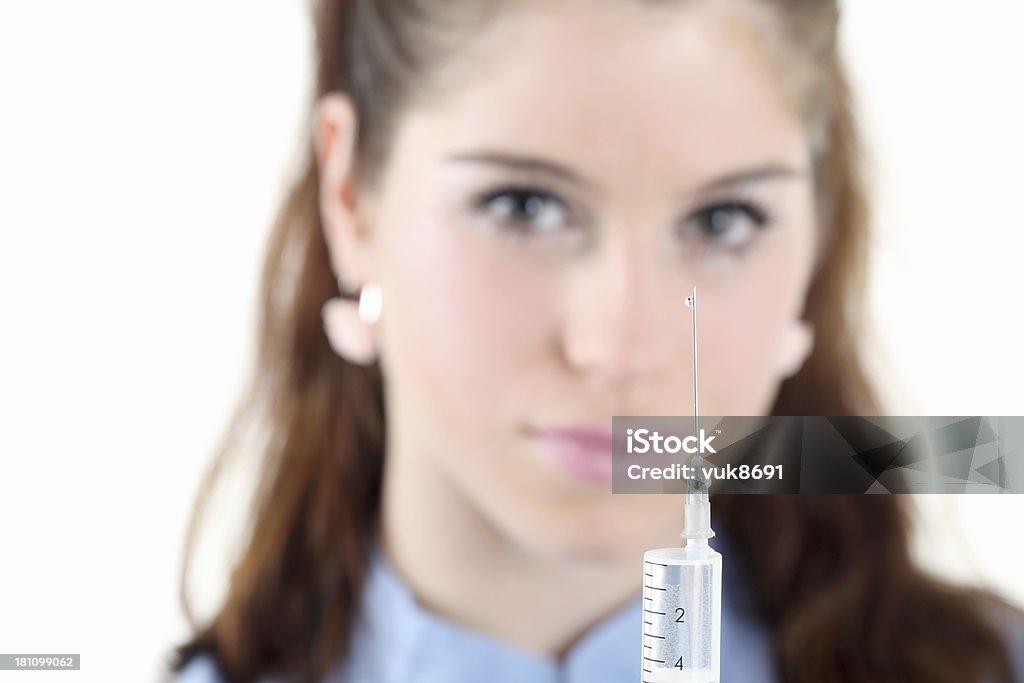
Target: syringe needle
<point>698,483</point>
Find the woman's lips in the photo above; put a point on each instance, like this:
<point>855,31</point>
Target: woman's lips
<point>583,451</point>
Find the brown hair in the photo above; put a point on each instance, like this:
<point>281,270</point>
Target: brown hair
<point>834,578</point>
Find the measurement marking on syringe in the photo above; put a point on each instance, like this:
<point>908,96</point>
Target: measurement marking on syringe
<point>649,611</point>
<point>657,563</point>
<point>655,588</point>
<point>649,622</point>
<point>646,574</point>
<point>659,661</point>
<point>647,598</point>
<point>654,636</point>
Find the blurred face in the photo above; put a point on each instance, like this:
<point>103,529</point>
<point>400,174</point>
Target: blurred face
<point>537,230</point>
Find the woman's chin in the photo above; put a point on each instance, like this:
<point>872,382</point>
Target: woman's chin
<point>595,539</point>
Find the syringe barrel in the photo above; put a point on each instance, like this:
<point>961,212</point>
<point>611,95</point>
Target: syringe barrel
<point>682,614</point>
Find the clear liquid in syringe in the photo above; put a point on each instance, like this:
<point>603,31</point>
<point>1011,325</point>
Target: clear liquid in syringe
<point>682,592</point>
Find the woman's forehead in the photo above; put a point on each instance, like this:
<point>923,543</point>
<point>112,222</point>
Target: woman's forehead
<point>635,88</point>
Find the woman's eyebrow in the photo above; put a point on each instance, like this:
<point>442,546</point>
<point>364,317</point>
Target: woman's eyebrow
<point>771,171</point>
<point>524,163</point>
<point>751,175</point>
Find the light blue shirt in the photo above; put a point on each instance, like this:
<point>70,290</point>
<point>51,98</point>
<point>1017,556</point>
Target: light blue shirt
<point>396,640</point>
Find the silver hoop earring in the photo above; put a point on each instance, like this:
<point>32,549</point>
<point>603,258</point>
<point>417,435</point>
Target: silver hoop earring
<point>370,302</point>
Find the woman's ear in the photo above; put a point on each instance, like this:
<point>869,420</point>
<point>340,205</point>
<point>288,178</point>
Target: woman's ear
<point>335,137</point>
<point>797,344</point>
<point>349,326</point>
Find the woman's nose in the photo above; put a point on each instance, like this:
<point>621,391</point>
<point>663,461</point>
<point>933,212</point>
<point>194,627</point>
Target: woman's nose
<point>620,327</point>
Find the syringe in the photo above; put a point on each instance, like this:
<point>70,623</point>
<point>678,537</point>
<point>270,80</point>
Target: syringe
<point>682,592</point>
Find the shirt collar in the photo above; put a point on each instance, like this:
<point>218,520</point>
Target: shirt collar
<point>397,640</point>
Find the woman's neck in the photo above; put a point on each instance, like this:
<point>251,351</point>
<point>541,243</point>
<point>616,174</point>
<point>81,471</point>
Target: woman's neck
<point>462,566</point>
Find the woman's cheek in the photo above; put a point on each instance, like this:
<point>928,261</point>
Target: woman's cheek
<point>740,336</point>
<point>469,311</point>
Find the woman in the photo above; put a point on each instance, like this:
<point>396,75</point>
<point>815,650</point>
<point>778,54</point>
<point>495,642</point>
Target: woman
<point>520,195</point>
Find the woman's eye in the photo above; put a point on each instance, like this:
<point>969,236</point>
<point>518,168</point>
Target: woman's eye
<point>729,224</point>
<point>525,211</point>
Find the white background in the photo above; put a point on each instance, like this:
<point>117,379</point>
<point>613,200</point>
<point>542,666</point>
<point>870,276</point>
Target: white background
<point>143,150</point>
